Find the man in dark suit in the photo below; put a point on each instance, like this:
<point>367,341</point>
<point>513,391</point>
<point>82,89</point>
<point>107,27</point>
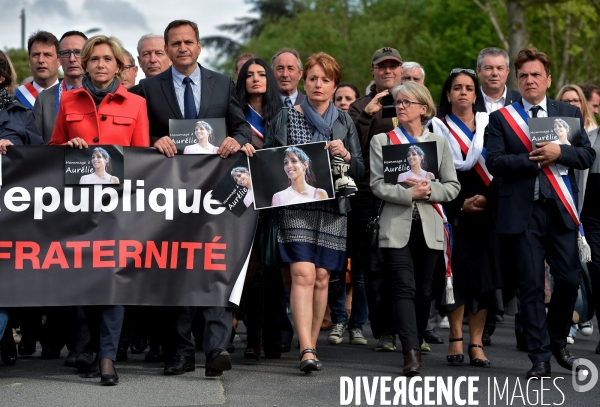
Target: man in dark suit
<point>45,108</point>
<point>493,70</point>
<point>287,67</point>
<point>187,90</point>
<point>532,214</point>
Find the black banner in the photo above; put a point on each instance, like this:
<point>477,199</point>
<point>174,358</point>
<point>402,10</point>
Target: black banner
<point>158,238</point>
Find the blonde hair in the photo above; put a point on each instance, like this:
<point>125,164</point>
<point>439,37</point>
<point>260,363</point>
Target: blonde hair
<point>7,71</point>
<point>589,122</point>
<point>421,94</point>
<point>114,44</point>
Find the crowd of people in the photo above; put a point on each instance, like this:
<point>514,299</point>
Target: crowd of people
<point>449,233</point>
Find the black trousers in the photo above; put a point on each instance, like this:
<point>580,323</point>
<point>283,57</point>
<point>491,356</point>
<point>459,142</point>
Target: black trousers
<point>217,329</point>
<point>371,263</point>
<point>546,238</point>
<point>411,272</point>
<point>592,235</point>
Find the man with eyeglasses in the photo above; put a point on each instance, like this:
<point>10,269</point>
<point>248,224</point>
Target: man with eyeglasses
<point>367,114</point>
<point>47,103</point>
<point>43,62</point>
<point>129,70</point>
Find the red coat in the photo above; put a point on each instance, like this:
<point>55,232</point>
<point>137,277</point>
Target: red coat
<point>121,119</point>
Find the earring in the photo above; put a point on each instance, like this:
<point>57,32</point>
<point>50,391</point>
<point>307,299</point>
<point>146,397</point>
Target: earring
<point>289,182</point>
<point>448,100</point>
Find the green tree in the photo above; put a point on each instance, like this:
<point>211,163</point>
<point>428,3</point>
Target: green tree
<point>20,61</point>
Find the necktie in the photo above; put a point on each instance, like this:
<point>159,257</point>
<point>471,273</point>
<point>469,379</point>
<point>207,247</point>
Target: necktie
<point>189,106</point>
<point>545,188</point>
<point>288,102</point>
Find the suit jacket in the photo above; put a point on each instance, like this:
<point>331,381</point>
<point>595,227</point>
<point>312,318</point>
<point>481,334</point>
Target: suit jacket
<point>218,100</point>
<point>511,97</point>
<point>396,217</point>
<point>508,158</point>
<point>44,112</point>
<point>301,96</point>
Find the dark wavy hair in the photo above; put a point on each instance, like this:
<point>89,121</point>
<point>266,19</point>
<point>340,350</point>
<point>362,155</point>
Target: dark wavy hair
<point>445,107</point>
<point>304,158</point>
<point>103,153</point>
<point>271,102</point>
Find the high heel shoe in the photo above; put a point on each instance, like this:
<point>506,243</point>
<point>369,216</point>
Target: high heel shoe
<point>309,365</point>
<point>476,361</point>
<point>109,379</point>
<point>455,360</point>
<point>94,370</point>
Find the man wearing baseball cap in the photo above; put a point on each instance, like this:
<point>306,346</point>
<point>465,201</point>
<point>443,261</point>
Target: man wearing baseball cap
<point>367,114</point>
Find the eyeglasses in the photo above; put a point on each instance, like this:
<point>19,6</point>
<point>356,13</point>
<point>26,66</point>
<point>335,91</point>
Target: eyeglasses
<point>406,103</point>
<point>127,67</point>
<point>462,70</point>
<point>391,67</point>
<point>66,53</point>
<point>571,101</point>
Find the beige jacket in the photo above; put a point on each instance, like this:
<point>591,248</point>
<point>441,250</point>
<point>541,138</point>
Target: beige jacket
<point>396,217</point>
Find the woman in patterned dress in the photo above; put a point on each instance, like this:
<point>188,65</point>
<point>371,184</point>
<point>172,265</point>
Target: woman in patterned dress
<point>312,236</point>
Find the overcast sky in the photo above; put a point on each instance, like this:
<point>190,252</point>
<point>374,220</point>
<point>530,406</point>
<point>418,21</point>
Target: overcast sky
<point>127,20</point>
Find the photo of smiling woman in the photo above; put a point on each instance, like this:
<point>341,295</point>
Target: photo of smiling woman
<point>296,165</point>
<point>418,166</point>
<point>241,176</point>
<point>205,138</point>
<point>101,164</point>
<point>562,131</point>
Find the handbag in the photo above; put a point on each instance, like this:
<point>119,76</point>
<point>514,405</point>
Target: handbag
<point>584,305</point>
<point>372,231</point>
<point>267,252</point>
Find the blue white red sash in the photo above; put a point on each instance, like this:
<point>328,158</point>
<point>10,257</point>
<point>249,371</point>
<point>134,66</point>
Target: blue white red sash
<point>517,118</point>
<point>400,136</point>
<point>256,122</point>
<point>26,94</point>
<point>464,138</point>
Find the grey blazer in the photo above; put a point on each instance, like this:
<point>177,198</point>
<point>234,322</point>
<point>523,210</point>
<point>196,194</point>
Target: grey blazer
<point>44,112</point>
<point>396,217</point>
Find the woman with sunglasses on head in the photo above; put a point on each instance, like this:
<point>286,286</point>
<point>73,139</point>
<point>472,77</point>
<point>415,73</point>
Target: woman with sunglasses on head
<point>475,253</point>
<point>411,234</point>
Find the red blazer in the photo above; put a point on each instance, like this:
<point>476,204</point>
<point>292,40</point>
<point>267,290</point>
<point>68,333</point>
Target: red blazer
<point>121,119</point>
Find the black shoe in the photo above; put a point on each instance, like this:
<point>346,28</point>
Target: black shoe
<point>94,370</point>
<point>50,352</point>
<point>309,365</point>
<point>8,349</point>
<point>138,346</point>
<point>70,360</point>
<point>486,339</point>
<point>109,379</point>
<point>26,347</point>
<point>476,361</point>
<point>230,348</point>
<point>180,364</point>
<point>285,347</point>
<point>121,354</point>
<point>539,370</point>
<point>217,361</point>
<point>458,359</point>
<point>433,337</point>
<point>565,359</point>
<point>83,361</point>
<point>155,355</point>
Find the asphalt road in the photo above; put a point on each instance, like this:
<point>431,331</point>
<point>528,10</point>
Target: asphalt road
<point>46,383</point>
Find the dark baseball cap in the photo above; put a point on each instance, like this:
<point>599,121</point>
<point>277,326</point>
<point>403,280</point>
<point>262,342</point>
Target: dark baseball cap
<point>385,53</point>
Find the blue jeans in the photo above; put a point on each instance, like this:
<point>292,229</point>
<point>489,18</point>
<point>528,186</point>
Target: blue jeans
<point>337,300</point>
<point>3,320</point>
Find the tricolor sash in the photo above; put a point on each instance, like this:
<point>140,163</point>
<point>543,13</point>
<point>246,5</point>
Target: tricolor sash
<point>256,122</point>
<point>464,138</point>
<point>400,136</point>
<point>26,94</point>
<point>517,119</point>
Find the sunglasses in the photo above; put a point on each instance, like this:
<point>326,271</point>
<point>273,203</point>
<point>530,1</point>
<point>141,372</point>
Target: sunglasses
<point>462,70</point>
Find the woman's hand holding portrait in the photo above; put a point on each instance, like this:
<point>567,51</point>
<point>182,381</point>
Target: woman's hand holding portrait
<point>3,144</point>
<point>421,189</point>
<point>336,147</point>
<point>77,142</point>
<point>248,149</point>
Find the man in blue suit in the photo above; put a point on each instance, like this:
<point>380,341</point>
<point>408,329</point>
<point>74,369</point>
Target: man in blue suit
<point>532,214</point>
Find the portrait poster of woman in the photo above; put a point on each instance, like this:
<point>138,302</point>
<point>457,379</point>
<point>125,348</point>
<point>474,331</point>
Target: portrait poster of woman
<point>197,136</point>
<point>102,164</point>
<point>291,175</point>
<point>415,160</point>
<point>235,189</point>
<point>561,130</point>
